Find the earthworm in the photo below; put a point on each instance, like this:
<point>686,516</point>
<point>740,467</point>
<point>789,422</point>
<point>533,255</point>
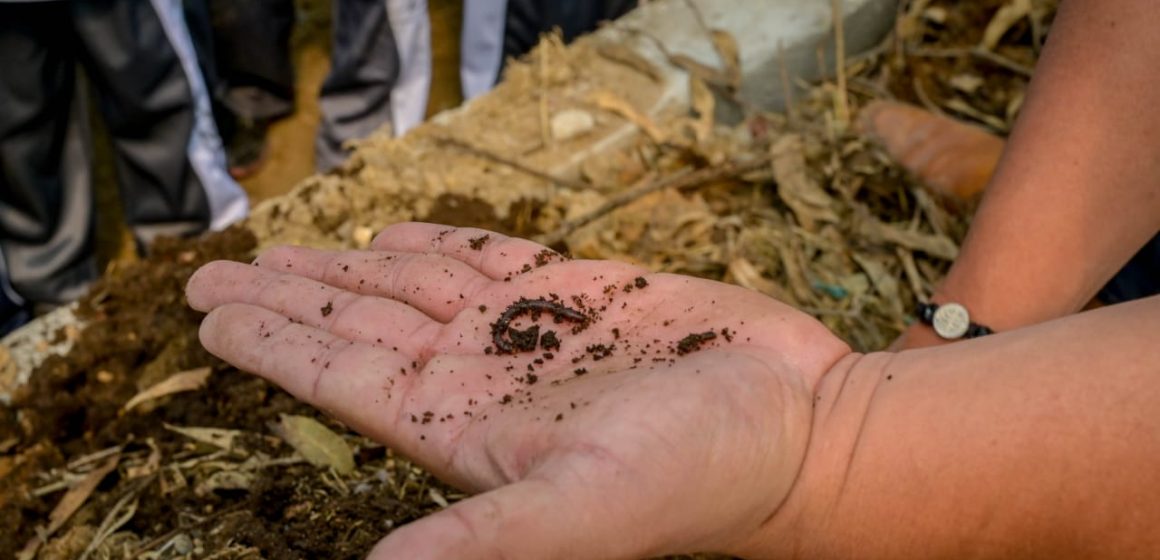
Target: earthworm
<point>501,329</point>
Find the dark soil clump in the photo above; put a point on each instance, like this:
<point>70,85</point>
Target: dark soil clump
<point>694,342</point>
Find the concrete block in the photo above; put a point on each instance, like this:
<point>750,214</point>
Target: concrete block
<point>765,31</point>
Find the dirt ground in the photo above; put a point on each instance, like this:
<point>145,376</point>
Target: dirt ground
<point>203,474</point>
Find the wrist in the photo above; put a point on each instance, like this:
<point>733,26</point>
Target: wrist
<point>803,524</point>
<point>950,320</point>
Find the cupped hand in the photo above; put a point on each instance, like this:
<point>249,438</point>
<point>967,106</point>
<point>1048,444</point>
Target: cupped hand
<point>599,411</point>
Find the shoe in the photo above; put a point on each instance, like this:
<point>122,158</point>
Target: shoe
<point>246,152</point>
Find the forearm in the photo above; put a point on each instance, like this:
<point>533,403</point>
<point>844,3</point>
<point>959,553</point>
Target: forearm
<point>1078,189</point>
<point>1038,443</point>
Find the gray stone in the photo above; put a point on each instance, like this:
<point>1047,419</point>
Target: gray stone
<point>765,31</point>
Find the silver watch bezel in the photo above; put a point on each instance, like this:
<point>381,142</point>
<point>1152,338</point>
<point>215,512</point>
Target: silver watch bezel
<point>951,321</point>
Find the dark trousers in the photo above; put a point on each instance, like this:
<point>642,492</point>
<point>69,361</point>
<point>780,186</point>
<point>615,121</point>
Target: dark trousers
<point>251,38</point>
<point>252,44</point>
<point>527,19</point>
<point>46,201</point>
<point>1140,278</point>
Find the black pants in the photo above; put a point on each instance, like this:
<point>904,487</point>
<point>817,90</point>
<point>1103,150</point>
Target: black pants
<point>146,99</point>
<point>251,40</point>
<point>527,19</point>
<point>1140,278</point>
<point>252,55</point>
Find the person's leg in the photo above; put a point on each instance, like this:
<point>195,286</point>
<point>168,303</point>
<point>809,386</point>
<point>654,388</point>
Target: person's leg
<point>45,176</point>
<point>356,96</point>
<point>527,19</point>
<point>251,43</point>
<point>411,27</point>
<point>481,46</point>
<point>170,162</point>
<point>252,82</point>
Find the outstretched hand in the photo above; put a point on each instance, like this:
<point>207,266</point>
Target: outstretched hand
<point>599,411</point>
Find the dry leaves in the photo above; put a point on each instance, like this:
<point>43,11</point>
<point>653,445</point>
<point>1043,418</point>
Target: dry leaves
<point>316,443</point>
<point>191,380</point>
<point>1003,20</point>
<point>216,437</point>
<point>69,504</point>
<point>726,46</point>
<point>933,245</point>
<point>621,54</point>
<point>809,202</point>
<point>611,102</point>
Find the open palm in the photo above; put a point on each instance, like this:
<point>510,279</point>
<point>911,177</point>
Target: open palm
<point>603,411</point>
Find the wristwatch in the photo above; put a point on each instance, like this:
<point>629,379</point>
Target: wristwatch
<point>950,321</point>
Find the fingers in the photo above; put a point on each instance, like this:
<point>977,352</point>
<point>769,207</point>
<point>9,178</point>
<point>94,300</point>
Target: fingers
<point>531,519</point>
<point>348,315</point>
<point>363,386</point>
<point>438,286</point>
<point>495,255</point>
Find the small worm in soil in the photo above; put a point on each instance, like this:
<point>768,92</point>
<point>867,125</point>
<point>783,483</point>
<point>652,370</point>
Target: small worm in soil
<point>502,333</point>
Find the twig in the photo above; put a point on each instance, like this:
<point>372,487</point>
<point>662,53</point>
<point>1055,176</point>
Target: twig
<point>79,462</point>
<point>786,87</point>
<point>684,179</point>
<point>154,542</point>
<point>698,15</point>
<point>120,514</point>
<point>492,156</point>
<point>841,102</point>
<point>912,276</point>
<point>930,105</point>
<point>545,132</point>
<point>984,54</point>
<point>1002,61</point>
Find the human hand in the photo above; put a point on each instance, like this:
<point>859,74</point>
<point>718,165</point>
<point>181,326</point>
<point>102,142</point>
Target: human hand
<point>639,435</point>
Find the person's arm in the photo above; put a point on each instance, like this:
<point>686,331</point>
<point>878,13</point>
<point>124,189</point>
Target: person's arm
<point>682,415</point>
<point>1077,191</point>
<point>1042,443</point>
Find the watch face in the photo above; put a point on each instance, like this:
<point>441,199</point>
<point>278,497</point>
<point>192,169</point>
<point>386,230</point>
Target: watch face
<point>951,321</point>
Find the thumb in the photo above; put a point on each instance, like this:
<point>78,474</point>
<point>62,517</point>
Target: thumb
<point>533,519</point>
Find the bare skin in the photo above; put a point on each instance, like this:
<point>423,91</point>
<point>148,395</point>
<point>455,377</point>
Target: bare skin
<point>779,442</point>
<point>1077,191</point>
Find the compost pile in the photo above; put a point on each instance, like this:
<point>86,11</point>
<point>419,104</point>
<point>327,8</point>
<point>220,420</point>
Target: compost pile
<point>139,444</point>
